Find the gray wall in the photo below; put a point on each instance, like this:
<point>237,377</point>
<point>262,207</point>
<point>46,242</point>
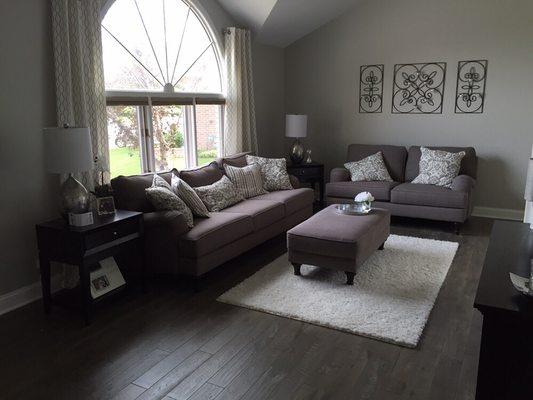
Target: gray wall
<point>322,81</point>
<point>27,103</point>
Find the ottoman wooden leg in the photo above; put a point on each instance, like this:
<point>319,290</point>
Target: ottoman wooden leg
<point>296,268</point>
<point>349,277</point>
<point>382,246</point>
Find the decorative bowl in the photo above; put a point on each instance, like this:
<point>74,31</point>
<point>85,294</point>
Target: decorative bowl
<point>353,209</point>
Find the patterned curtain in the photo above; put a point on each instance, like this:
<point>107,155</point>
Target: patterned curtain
<point>79,74</point>
<point>240,130</point>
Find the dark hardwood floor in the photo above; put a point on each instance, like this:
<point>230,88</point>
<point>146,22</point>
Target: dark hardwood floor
<point>174,344</point>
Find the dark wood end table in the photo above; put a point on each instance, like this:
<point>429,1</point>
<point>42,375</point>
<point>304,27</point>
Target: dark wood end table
<point>311,173</point>
<point>85,247</point>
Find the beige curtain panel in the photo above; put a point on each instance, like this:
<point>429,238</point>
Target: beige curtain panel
<point>79,73</point>
<point>240,129</point>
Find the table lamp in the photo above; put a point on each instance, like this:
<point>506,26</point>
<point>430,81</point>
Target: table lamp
<point>528,194</point>
<point>69,150</point>
<point>296,127</point>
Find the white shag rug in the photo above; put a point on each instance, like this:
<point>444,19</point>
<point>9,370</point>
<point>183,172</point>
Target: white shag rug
<point>391,299</point>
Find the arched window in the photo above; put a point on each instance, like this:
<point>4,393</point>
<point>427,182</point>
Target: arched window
<point>163,79</point>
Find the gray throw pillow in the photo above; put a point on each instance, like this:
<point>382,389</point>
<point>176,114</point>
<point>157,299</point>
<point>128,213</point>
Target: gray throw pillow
<point>247,180</point>
<point>438,167</point>
<point>164,199</point>
<point>189,196</point>
<point>219,195</point>
<point>371,168</point>
<point>273,172</point>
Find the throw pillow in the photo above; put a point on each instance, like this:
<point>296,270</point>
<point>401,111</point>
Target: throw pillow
<point>438,167</point>
<point>189,196</point>
<point>219,195</point>
<point>273,172</point>
<point>160,182</point>
<point>371,168</point>
<point>247,180</point>
<point>164,199</point>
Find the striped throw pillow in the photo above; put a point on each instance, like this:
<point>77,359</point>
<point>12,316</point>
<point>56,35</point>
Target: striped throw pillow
<point>189,196</point>
<point>247,180</point>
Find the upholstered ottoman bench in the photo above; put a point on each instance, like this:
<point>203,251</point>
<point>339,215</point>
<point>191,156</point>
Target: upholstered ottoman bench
<point>338,241</point>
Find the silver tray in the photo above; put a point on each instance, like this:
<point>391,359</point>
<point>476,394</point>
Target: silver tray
<point>350,209</point>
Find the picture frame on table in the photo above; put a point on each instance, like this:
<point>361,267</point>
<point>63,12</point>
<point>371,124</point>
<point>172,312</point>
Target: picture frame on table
<point>105,205</point>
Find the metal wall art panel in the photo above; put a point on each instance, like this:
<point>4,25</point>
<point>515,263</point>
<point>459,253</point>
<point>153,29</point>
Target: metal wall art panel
<point>470,92</point>
<point>418,88</point>
<point>371,88</point>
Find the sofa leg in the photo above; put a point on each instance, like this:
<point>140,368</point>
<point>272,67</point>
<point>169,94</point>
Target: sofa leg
<point>296,268</point>
<point>382,246</point>
<point>349,277</point>
<point>457,228</point>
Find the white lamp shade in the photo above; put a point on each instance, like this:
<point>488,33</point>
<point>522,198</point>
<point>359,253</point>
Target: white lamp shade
<point>295,126</point>
<point>67,150</point>
<point>528,194</point>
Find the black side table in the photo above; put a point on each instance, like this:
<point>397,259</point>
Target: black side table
<point>85,247</point>
<point>312,173</point>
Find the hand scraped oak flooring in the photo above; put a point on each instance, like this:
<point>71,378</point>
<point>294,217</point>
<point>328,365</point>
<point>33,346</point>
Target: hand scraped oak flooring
<point>174,344</point>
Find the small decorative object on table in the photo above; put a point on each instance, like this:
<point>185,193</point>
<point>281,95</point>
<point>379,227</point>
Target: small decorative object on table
<point>523,285</point>
<point>364,201</point>
<point>105,205</point>
<point>308,159</point>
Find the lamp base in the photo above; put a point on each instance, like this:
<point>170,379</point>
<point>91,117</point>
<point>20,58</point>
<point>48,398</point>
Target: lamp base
<point>297,152</point>
<point>74,197</point>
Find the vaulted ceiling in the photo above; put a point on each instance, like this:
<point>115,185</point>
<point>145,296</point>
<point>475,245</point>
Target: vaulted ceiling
<point>281,22</point>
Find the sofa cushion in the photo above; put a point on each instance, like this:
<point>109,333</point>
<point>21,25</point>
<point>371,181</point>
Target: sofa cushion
<point>348,190</point>
<point>273,172</point>
<point>129,194</point>
<point>247,180</point>
<point>394,157</point>
<point>438,167</point>
<point>212,233</point>
<point>203,176</point>
<point>468,163</point>
<point>428,195</point>
<point>263,212</point>
<point>294,200</point>
<point>219,195</point>
<point>371,168</point>
<point>235,160</point>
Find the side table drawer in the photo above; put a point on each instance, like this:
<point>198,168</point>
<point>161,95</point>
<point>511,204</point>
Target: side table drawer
<point>314,171</point>
<point>113,232</point>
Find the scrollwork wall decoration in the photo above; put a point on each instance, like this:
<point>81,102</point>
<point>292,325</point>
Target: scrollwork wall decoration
<point>418,88</point>
<point>371,88</point>
<point>471,82</point>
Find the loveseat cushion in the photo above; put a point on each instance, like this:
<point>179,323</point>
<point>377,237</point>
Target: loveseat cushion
<point>262,212</point>
<point>428,195</point>
<point>379,189</point>
<point>293,200</point>
<point>468,163</point>
<point>393,156</point>
<point>212,233</point>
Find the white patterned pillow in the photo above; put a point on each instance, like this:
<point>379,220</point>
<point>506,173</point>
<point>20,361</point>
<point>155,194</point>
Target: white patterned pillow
<point>247,180</point>
<point>189,196</point>
<point>160,182</point>
<point>371,168</point>
<point>219,195</point>
<point>273,172</point>
<point>438,167</point>
<point>164,199</point>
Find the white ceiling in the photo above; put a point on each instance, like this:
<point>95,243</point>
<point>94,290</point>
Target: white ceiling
<point>281,22</point>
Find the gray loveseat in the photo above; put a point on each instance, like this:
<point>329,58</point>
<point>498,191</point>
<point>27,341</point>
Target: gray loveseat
<point>402,197</point>
<point>172,248</point>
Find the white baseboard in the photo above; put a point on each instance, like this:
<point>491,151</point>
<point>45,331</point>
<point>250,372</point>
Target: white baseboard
<point>499,213</point>
<point>25,295</point>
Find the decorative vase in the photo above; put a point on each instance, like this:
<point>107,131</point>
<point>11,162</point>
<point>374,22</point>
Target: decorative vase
<point>297,152</point>
<point>308,159</point>
<point>363,206</point>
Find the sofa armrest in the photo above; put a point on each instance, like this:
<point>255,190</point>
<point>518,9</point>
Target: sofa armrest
<point>463,183</point>
<point>339,175</point>
<point>295,183</point>
<point>161,232</point>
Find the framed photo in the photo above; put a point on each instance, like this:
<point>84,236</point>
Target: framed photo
<point>105,205</point>
<point>106,278</point>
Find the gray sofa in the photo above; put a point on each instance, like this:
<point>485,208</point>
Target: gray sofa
<point>401,197</point>
<point>172,248</point>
